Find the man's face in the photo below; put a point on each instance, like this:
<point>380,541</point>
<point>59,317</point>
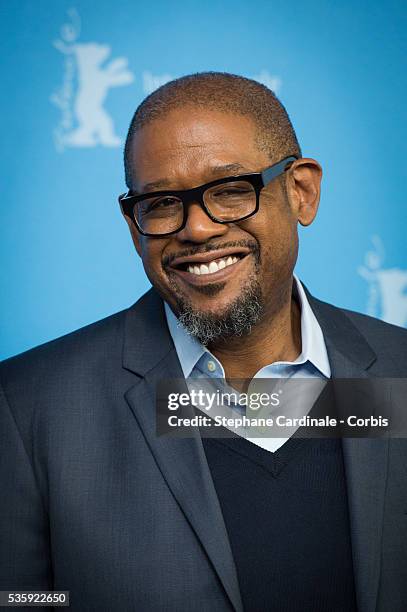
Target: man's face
<point>189,147</point>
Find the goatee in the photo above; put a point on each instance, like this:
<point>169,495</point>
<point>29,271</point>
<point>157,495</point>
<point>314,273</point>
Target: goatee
<point>237,320</point>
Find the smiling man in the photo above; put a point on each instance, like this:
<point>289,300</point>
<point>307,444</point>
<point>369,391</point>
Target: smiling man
<point>225,266</point>
<point>95,502</point>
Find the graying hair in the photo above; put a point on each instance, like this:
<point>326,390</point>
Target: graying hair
<point>225,92</point>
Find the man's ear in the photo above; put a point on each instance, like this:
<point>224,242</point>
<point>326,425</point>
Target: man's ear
<point>304,189</point>
<point>133,231</point>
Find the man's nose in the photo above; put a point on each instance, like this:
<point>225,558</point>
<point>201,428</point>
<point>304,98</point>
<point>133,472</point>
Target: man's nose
<point>200,227</point>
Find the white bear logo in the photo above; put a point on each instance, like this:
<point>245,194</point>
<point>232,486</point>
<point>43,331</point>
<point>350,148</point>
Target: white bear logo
<point>85,121</point>
<point>387,287</point>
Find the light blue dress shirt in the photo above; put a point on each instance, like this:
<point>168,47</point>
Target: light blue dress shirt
<point>198,362</point>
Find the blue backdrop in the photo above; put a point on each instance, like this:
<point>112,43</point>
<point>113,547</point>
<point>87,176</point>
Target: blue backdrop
<point>73,74</point>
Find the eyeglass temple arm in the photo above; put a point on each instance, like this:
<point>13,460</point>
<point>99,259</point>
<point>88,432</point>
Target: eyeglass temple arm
<point>271,173</point>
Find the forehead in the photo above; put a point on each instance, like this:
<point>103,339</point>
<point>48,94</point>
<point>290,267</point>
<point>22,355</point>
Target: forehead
<point>187,145</point>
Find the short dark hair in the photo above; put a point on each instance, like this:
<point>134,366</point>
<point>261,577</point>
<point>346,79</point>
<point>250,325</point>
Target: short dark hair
<point>223,92</point>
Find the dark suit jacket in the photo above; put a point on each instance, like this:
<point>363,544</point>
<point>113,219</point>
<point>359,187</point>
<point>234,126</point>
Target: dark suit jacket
<point>92,501</point>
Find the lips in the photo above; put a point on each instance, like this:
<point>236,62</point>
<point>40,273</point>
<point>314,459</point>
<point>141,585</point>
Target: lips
<point>182,263</point>
<point>212,267</point>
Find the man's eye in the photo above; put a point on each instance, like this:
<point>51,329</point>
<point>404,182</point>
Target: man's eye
<point>163,202</point>
<point>159,204</point>
<point>231,191</point>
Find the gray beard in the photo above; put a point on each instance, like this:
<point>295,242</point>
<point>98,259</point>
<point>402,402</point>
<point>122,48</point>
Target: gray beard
<point>237,320</point>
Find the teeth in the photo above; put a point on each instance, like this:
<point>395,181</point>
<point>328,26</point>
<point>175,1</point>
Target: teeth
<point>214,266</point>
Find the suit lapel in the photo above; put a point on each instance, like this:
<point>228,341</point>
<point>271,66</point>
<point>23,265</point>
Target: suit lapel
<point>182,462</point>
<point>366,460</point>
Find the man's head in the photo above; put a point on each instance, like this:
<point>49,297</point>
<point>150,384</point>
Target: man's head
<point>192,131</point>
<point>225,92</point>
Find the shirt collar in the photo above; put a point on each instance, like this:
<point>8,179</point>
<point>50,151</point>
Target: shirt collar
<point>312,338</point>
<point>190,350</point>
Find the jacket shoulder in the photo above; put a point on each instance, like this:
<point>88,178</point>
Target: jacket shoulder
<point>388,341</point>
<point>95,351</point>
<point>372,326</point>
<point>81,346</point>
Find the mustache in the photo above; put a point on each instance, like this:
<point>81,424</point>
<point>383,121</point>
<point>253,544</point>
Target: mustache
<point>252,245</point>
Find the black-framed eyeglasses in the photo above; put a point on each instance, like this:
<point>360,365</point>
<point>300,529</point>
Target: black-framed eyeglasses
<point>225,200</point>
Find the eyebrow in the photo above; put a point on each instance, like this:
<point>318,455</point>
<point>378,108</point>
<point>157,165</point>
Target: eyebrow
<point>226,169</point>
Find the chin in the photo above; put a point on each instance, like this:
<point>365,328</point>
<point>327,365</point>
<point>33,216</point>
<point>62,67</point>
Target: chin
<point>212,320</point>
<point>211,290</point>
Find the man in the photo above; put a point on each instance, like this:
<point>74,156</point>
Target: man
<point>95,502</point>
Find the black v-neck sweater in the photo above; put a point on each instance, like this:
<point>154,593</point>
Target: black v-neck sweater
<point>287,519</point>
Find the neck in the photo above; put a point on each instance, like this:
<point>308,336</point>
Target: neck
<point>276,337</point>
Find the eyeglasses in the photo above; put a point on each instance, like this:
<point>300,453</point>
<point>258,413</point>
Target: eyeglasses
<point>226,200</point>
